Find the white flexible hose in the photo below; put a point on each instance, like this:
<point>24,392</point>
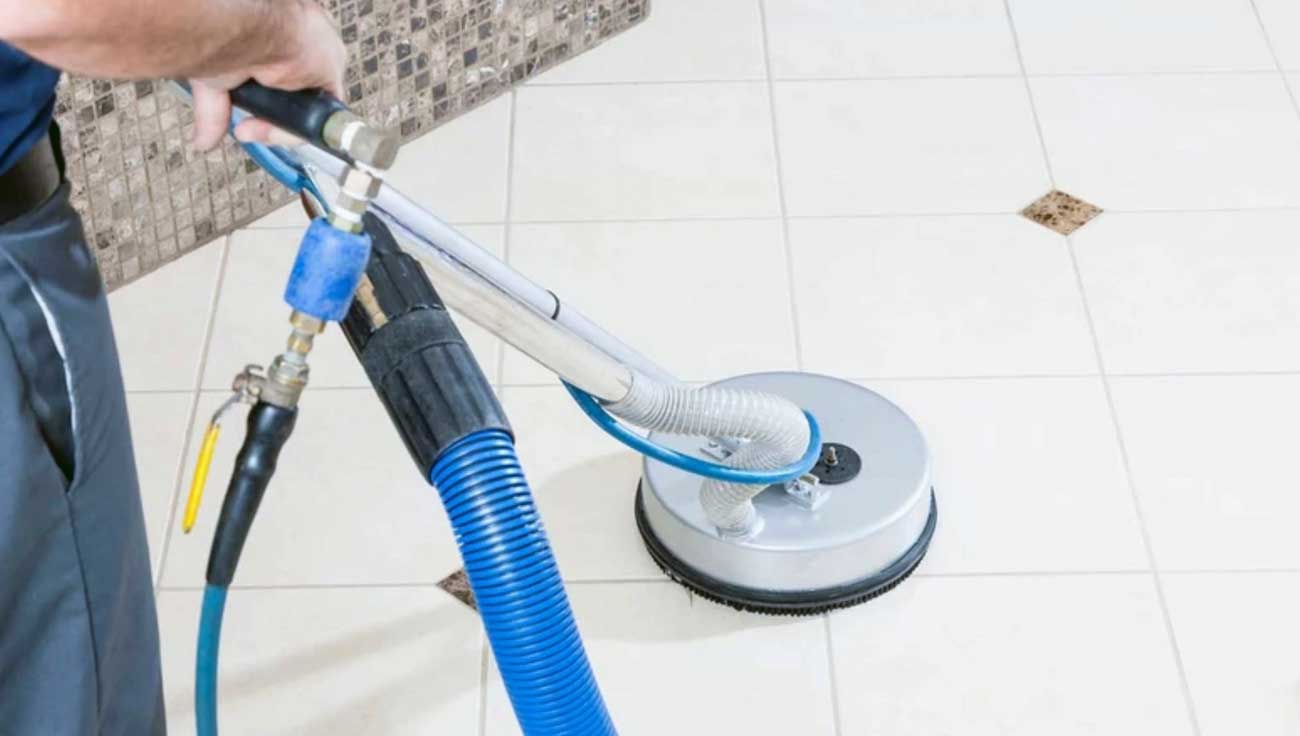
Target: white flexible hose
<point>776,428</point>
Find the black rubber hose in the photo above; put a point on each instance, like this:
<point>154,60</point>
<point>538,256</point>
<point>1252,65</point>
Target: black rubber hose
<point>269,426</point>
<point>302,113</point>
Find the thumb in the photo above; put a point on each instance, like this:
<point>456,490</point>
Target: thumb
<point>211,115</point>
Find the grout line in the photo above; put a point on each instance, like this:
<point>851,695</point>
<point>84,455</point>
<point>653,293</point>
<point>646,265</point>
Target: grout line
<point>780,191</point>
<point>903,77</point>
<point>1137,501</point>
<point>502,347</point>
<point>843,216</point>
<point>894,215</point>
<point>400,585</point>
<point>308,586</point>
<point>875,377</point>
<point>955,377</point>
<point>485,649</point>
<point>834,679</point>
<point>1029,94</point>
<point>978,574</point>
<point>299,228</point>
<point>1238,571</point>
<point>534,84</point>
<point>1204,374</point>
<point>1024,573</point>
<point>1277,61</point>
<point>1145,532</point>
<point>619,581</point>
<point>197,391</point>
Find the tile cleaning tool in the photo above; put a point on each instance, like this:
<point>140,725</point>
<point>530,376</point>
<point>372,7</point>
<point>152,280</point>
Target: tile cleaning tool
<point>785,493</point>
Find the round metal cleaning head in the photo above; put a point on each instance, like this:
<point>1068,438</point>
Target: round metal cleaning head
<point>868,532</point>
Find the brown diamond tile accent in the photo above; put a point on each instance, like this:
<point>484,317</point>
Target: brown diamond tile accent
<point>457,584</point>
<point>1061,212</point>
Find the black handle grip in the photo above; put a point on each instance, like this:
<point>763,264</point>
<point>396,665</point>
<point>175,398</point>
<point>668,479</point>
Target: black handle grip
<point>302,113</point>
<point>269,426</point>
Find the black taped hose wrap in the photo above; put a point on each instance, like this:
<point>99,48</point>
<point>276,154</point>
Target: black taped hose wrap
<point>269,427</point>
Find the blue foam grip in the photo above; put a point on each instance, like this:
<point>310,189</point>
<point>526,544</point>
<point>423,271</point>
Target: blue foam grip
<point>329,266</point>
<point>518,589</point>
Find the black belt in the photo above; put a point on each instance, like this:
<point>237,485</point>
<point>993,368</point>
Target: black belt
<point>30,181</point>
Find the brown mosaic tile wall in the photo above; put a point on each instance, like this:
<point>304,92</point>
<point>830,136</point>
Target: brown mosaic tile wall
<point>147,198</point>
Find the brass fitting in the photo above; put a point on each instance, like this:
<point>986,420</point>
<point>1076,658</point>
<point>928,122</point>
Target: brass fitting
<point>288,374</point>
<point>366,297</point>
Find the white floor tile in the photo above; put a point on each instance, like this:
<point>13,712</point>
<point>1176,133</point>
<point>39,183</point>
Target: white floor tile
<point>159,426</point>
<point>1240,645</point>
<point>343,661</point>
<point>1028,475</point>
<point>584,482</point>
<point>715,40</point>
<point>667,666</point>
<point>704,299</point>
<point>995,656</point>
<point>161,321</point>
<point>1214,460</point>
<point>346,506</point>
<point>830,39</point>
<point>908,146</point>
<point>1172,142</point>
<point>644,151</point>
<point>1120,36</point>
<point>1282,22</point>
<point>458,171</point>
<point>253,320</point>
<point>937,296</point>
<point>1213,291</point>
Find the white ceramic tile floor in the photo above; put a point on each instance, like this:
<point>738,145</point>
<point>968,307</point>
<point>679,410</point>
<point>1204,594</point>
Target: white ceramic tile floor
<point>355,660</point>
<point>1282,23</point>
<point>1172,142</point>
<point>1159,284</point>
<point>892,147</point>
<point>668,663</point>
<point>1111,413</point>
<point>1214,463</point>
<point>1240,644</point>
<point>1063,37</point>
<point>832,39</point>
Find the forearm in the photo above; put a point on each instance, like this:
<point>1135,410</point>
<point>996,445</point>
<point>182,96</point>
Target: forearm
<point>152,38</point>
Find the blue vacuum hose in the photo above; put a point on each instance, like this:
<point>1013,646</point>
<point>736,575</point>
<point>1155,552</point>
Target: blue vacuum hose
<point>518,588</point>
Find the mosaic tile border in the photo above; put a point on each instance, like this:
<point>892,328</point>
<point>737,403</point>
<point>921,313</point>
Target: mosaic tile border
<point>147,198</point>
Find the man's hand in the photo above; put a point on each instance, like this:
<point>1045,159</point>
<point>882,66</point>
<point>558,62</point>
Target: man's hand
<point>313,57</point>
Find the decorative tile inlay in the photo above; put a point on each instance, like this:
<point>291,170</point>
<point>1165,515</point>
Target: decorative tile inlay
<point>1061,212</point>
<point>457,584</point>
<point>146,197</point>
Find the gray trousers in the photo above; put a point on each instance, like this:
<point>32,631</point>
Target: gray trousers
<point>78,628</point>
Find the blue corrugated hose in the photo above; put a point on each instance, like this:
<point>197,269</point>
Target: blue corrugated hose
<point>518,588</point>
<point>205,674</point>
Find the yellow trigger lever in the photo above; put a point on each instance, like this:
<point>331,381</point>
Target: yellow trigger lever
<point>246,385</point>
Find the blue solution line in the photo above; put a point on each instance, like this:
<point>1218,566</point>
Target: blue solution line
<point>205,671</point>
